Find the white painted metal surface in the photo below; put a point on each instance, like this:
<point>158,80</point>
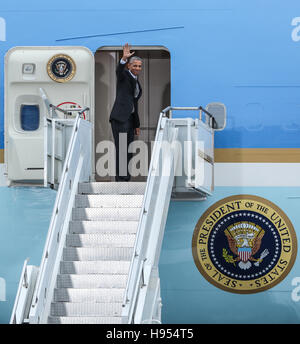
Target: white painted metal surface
<point>77,168</point>
<point>24,295</point>
<point>257,174</point>
<point>98,248</point>
<point>204,158</point>
<point>100,262</point>
<point>147,247</point>
<point>142,303</point>
<point>23,146</point>
<point>57,135</point>
<point>194,177</point>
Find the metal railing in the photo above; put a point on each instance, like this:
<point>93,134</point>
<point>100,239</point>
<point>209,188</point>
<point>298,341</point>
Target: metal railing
<point>57,134</point>
<point>24,295</point>
<point>67,112</point>
<point>77,168</point>
<point>22,284</point>
<point>141,305</point>
<point>209,117</point>
<point>151,224</point>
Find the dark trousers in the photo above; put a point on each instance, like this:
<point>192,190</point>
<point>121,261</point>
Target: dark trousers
<point>123,133</point>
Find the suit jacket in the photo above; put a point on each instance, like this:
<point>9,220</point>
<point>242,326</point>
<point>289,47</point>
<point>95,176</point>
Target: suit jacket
<point>125,101</point>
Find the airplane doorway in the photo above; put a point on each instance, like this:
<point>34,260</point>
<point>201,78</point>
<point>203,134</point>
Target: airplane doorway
<point>155,82</point>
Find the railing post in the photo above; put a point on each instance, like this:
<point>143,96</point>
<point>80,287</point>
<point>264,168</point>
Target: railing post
<point>53,153</point>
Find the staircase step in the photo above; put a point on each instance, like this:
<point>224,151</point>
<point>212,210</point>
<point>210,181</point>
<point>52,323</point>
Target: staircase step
<point>96,260</point>
<point>89,295</point>
<point>101,253</point>
<point>84,320</point>
<point>94,227</point>
<point>95,267</point>
<point>100,240</point>
<point>91,281</point>
<point>108,201</point>
<point>110,214</point>
<point>86,309</point>
<point>110,188</point>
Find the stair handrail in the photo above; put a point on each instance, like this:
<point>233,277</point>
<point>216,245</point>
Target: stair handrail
<point>23,283</point>
<point>126,313</point>
<point>140,267</point>
<point>77,168</point>
<point>139,259</point>
<point>147,302</point>
<point>20,312</point>
<point>211,119</point>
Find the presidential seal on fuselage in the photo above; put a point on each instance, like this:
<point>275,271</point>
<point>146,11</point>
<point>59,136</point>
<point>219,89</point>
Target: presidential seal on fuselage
<point>244,244</point>
<point>61,68</point>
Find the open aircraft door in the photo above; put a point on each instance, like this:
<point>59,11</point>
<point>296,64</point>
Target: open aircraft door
<point>63,76</point>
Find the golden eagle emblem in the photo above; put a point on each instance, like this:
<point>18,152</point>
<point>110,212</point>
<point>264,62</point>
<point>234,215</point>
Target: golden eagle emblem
<point>244,240</point>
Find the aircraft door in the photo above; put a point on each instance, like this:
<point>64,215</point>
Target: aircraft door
<point>155,82</point>
<point>66,76</point>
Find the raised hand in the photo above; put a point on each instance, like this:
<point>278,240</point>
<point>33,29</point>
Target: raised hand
<point>126,52</point>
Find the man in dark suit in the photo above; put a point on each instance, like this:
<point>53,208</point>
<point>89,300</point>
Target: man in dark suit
<point>124,116</point>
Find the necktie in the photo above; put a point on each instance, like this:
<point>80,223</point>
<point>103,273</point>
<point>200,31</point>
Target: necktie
<point>137,90</point>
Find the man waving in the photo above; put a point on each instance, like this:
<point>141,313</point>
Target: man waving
<point>124,116</point>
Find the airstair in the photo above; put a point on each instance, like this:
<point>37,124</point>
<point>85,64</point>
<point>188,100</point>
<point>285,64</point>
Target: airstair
<point>96,259</point>
<point>100,261</point>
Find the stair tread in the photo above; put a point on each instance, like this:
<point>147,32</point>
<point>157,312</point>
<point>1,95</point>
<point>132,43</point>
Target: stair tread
<point>84,320</point>
<point>112,188</point>
<point>96,259</point>
<point>94,267</point>
<point>94,227</point>
<point>99,253</point>
<point>88,294</point>
<point>124,214</point>
<point>100,240</point>
<point>108,201</point>
<point>87,281</point>
<point>86,309</point>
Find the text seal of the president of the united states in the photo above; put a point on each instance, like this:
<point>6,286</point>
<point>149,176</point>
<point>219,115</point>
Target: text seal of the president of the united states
<point>244,244</point>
